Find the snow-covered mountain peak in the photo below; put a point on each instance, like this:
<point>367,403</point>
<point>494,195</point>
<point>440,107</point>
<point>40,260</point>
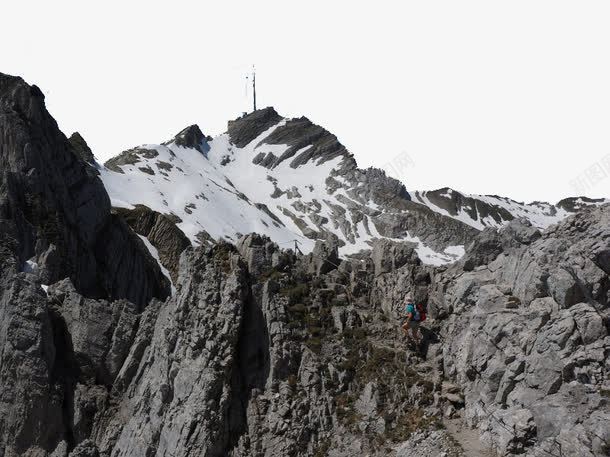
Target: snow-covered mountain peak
<point>299,139</point>
<point>291,179</point>
<point>287,178</point>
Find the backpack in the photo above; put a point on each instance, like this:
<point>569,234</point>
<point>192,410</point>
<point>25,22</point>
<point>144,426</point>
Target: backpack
<point>420,312</point>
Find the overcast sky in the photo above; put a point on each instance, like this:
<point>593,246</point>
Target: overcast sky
<point>508,98</point>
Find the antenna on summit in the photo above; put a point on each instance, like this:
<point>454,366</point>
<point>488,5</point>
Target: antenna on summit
<point>254,87</point>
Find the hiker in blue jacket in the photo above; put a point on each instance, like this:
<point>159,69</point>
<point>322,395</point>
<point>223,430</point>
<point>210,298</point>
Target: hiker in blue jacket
<point>414,315</point>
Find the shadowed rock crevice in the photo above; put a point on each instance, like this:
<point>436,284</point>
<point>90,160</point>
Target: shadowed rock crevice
<point>251,369</point>
<point>65,373</point>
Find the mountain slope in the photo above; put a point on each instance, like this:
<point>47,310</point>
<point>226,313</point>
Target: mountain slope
<point>291,179</point>
<point>480,211</point>
<point>287,178</point>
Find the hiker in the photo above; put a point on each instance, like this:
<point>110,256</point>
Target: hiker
<point>415,314</point>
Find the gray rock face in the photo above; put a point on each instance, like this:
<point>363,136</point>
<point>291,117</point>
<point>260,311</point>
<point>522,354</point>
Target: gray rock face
<point>301,133</point>
<point>55,209</point>
<point>85,449</point>
<point>526,332</point>
<point>55,223</point>
<point>491,243</point>
<point>192,137</point>
<point>324,258</point>
<point>161,231</point>
<point>245,129</point>
<point>180,396</point>
<point>101,332</point>
<point>389,256</point>
<point>262,255</point>
<point>34,372</point>
<point>81,148</point>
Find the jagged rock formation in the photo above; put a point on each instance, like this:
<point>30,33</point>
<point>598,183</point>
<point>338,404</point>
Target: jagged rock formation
<point>81,148</point>
<point>55,213</point>
<point>531,325</point>
<point>55,223</point>
<point>247,128</point>
<point>161,231</point>
<point>176,394</point>
<point>193,138</point>
<point>258,353</point>
<point>262,351</point>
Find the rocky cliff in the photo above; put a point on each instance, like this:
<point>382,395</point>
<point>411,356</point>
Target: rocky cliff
<point>263,351</point>
<point>56,226</point>
<point>56,215</point>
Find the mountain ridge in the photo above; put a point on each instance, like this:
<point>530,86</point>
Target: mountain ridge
<point>481,211</point>
<point>342,202</point>
<point>306,185</point>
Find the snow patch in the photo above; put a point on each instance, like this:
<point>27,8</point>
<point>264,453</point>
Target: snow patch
<point>447,194</point>
<point>30,266</point>
<point>155,253</point>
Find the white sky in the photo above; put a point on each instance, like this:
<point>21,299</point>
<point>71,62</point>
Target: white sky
<point>508,98</point>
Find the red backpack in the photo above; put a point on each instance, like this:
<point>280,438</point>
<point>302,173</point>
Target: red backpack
<point>421,310</point>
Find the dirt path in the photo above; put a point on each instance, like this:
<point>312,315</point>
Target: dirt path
<point>467,438</point>
<point>462,435</point>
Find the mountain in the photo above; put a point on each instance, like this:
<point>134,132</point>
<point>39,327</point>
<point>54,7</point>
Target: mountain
<point>127,328</point>
<point>286,178</point>
<point>291,179</point>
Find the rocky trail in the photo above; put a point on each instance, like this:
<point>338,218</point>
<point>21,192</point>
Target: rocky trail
<point>467,438</point>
